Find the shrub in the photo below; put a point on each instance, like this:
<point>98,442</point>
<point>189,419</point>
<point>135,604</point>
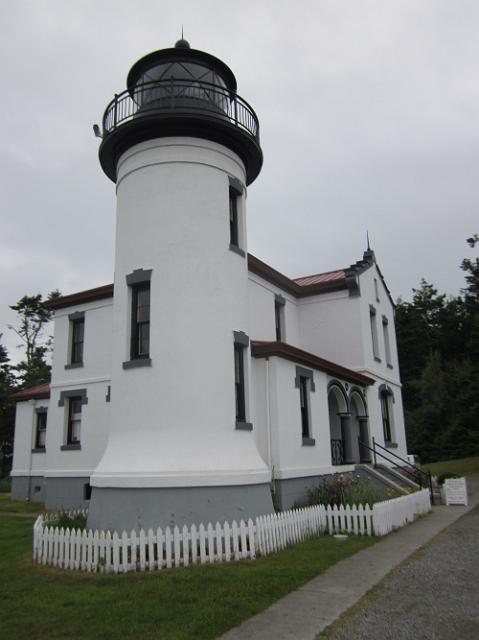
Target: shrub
<point>445,476</point>
<point>344,490</point>
<point>68,520</point>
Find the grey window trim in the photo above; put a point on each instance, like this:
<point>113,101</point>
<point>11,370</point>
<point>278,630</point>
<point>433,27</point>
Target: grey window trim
<point>78,315</point>
<point>73,393</point>
<point>70,447</point>
<point>390,445</point>
<point>41,409</point>
<point>236,185</point>
<point>372,310</point>
<point>244,426</point>
<point>138,276</point>
<point>278,298</point>
<point>108,394</point>
<point>237,250</point>
<point>301,372</point>
<point>241,338</point>
<point>385,390</point>
<point>385,320</point>
<point>137,362</point>
<point>76,365</point>
<point>309,442</point>
<point>39,450</point>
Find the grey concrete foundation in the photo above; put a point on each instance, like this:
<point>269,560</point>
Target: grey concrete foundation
<point>20,488</point>
<point>294,491</point>
<point>118,509</point>
<point>66,493</point>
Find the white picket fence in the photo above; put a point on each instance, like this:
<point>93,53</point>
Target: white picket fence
<point>398,512</point>
<point>88,550</point>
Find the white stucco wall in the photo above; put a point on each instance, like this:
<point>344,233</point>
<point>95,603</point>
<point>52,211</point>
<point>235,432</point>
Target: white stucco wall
<point>97,346</point>
<point>94,377</point>
<point>330,327</point>
<point>261,312</point>
<point>95,418</point>
<point>25,462</point>
<point>277,401</point>
<point>384,308</point>
<point>173,423</point>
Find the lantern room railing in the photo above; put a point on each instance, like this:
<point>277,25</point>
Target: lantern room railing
<point>183,98</point>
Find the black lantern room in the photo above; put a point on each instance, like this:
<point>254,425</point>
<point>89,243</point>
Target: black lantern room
<point>180,92</point>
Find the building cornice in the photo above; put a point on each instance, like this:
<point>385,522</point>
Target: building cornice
<point>288,352</point>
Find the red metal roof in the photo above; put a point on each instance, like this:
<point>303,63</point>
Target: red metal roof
<point>300,287</point>
<point>320,278</point>
<point>32,393</point>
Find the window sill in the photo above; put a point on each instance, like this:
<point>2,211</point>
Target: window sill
<point>70,447</point>
<point>74,365</point>
<point>137,362</point>
<point>309,442</point>
<point>237,250</point>
<point>39,450</point>
<point>244,426</point>
<point>390,445</point>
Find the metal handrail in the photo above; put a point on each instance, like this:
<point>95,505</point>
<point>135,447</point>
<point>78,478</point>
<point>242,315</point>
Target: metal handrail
<point>415,474</point>
<point>164,97</point>
<point>337,451</point>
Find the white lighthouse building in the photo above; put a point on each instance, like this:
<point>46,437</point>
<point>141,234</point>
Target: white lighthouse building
<point>203,383</point>
<point>181,147</point>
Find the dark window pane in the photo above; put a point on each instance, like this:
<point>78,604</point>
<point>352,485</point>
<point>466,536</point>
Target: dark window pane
<point>386,418</point>
<point>234,239</point>
<point>303,395</point>
<point>78,331</point>
<point>74,420</point>
<point>76,405</point>
<point>140,329</point>
<point>239,384</point>
<point>277,319</point>
<point>41,430</point>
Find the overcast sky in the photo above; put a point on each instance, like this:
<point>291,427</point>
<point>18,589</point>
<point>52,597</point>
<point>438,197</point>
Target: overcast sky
<point>369,115</point>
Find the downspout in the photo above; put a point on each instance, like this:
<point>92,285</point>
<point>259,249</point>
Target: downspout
<point>30,461</point>
<point>268,429</point>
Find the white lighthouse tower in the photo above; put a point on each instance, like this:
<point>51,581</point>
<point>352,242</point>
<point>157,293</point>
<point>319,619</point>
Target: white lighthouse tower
<point>182,147</point>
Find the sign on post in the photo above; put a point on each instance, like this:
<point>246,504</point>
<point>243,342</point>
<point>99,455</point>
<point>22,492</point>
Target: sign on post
<point>455,491</point>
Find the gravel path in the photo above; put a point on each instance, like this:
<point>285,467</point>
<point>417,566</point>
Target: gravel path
<point>433,596</point>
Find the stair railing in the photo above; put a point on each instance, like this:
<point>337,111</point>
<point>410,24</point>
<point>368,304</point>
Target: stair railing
<point>420,477</point>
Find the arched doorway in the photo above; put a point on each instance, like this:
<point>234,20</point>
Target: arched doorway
<point>360,425</point>
<point>338,418</point>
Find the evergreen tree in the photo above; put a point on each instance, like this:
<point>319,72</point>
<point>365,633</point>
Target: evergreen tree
<point>7,411</point>
<point>33,317</point>
<point>438,344</point>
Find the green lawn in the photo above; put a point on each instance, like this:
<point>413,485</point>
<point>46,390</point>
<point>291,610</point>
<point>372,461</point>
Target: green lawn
<point>463,467</point>
<point>176,604</point>
<point>19,506</point>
